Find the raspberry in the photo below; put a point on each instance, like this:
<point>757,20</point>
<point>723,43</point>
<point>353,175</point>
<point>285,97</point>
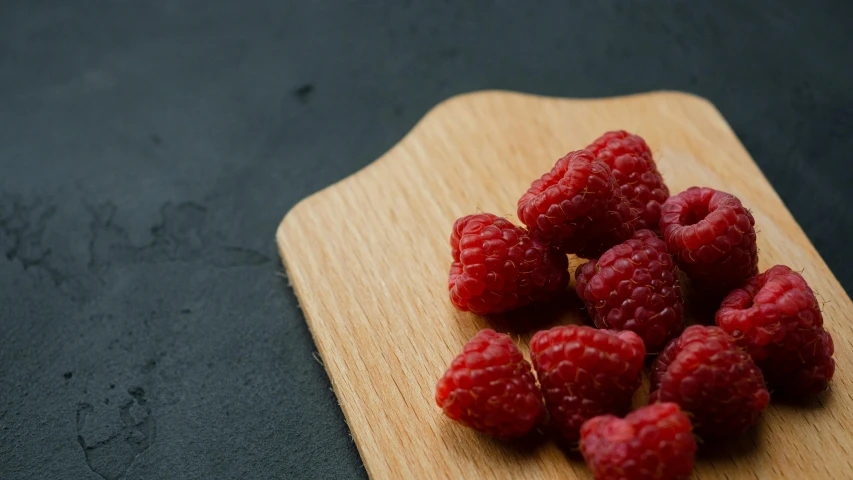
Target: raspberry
<point>636,174</point>
<point>575,207</point>
<point>711,378</point>
<point>633,286</point>
<point>712,237</point>
<point>777,318</point>
<point>586,372</point>
<point>652,443</point>
<point>498,266</point>
<point>490,387</point>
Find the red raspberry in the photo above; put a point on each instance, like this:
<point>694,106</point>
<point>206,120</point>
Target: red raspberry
<point>634,286</point>
<point>636,174</point>
<point>490,387</point>
<point>586,372</point>
<point>711,378</point>
<point>712,237</point>
<point>652,443</point>
<point>575,208</point>
<point>777,318</point>
<point>498,266</point>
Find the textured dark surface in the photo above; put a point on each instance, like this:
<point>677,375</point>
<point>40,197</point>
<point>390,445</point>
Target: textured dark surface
<point>148,150</point>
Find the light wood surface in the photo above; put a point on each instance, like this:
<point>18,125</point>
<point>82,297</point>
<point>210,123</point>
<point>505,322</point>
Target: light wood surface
<point>368,258</point>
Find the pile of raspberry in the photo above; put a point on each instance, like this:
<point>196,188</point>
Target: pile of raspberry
<point>646,251</point>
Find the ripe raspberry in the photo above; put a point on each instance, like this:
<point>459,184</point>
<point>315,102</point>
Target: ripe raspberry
<point>490,387</point>
<point>498,266</point>
<point>575,207</point>
<point>586,372</point>
<point>652,443</point>
<point>636,174</point>
<point>712,237</point>
<point>634,286</point>
<point>711,378</point>
<point>777,318</point>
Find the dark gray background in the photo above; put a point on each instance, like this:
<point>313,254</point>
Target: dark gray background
<point>148,150</point>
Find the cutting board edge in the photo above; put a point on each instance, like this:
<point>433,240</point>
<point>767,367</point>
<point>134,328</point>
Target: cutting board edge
<point>435,112</point>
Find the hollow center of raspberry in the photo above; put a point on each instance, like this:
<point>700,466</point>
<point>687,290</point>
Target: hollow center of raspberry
<point>695,215</point>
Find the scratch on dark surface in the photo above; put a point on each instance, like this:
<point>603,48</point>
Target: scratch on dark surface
<point>108,242</point>
<point>303,92</point>
<point>111,457</point>
<point>182,234</point>
<point>149,366</point>
<point>239,256</point>
<point>22,226</point>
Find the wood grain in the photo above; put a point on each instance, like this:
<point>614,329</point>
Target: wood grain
<point>368,258</point>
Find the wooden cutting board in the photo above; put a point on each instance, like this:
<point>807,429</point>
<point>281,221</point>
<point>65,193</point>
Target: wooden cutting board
<point>368,258</point>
